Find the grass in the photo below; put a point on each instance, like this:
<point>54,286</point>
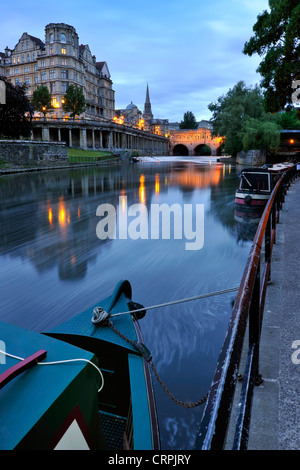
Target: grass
<point>84,156</point>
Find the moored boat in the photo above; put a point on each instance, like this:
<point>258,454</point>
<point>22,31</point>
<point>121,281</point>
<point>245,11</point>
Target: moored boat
<point>53,399</point>
<point>256,184</point>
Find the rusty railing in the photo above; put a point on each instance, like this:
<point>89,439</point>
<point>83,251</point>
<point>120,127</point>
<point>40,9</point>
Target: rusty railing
<point>247,314</point>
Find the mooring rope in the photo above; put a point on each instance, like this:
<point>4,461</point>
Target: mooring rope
<point>100,315</point>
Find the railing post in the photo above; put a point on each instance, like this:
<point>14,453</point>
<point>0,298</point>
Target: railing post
<point>255,321</point>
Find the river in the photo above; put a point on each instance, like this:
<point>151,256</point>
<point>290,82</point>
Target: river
<point>53,264</point>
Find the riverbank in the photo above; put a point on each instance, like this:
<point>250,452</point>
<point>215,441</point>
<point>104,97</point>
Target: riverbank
<point>77,158</point>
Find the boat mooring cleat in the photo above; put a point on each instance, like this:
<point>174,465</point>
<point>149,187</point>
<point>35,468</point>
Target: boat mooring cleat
<point>100,316</point>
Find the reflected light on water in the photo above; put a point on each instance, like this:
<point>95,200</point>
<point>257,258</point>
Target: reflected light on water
<point>50,216</point>
<point>142,191</point>
<point>156,183</point>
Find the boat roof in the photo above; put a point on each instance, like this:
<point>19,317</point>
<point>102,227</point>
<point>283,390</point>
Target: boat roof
<point>81,324</point>
<point>27,397</point>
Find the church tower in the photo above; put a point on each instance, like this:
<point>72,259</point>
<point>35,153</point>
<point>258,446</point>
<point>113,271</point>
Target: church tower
<point>147,107</point>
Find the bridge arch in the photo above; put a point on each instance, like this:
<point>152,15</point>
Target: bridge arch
<point>202,149</point>
<point>180,150</point>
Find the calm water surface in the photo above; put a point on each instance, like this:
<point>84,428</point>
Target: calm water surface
<point>53,265</point>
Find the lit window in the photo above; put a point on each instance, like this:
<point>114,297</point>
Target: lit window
<point>51,50</point>
<point>63,50</point>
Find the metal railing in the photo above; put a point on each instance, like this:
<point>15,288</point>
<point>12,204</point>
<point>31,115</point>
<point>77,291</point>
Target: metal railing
<point>247,314</point>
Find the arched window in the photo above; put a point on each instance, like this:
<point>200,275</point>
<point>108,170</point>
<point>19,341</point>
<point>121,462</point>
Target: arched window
<point>51,38</point>
<point>63,37</point>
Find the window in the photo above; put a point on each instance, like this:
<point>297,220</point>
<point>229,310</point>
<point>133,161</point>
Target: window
<point>44,76</point>
<point>27,45</point>
<point>52,74</point>
<point>51,62</point>
<point>23,58</point>
<point>18,59</point>
<point>63,50</point>
<point>22,46</point>
<point>63,61</point>
<point>51,38</point>
<point>63,38</point>
<point>43,63</point>
<point>18,81</point>
<point>17,70</point>
<point>35,66</point>
<point>36,79</point>
<point>26,68</point>
<point>51,50</point>
<point>52,87</point>
<point>27,80</point>
<point>64,86</point>
<point>64,74</point>
<point>33,56</point>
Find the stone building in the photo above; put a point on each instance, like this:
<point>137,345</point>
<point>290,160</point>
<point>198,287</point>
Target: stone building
<point>58,62</point>
<point>132,116</point>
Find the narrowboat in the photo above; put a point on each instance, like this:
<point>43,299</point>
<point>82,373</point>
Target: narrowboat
<point>82,385</point>
<point>256,185</point>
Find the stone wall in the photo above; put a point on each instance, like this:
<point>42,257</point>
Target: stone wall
<point>24,152</point>
<point>252,157</point>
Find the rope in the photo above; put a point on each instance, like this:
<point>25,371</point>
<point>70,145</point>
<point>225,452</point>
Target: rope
<point>100,315</point>
<point>60,362</point>
<point>141,348</point>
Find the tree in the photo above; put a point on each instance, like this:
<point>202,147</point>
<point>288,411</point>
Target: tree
<point>189,121</point>
<point>74,101</point>
<point>41,99</point>
<point>15,115</point>
<point>277,38</point>
<point>288,120</point>
<point>261,135</point>
<point>239,117</point>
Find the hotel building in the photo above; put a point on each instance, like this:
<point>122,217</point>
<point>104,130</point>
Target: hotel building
<point>58,62</point>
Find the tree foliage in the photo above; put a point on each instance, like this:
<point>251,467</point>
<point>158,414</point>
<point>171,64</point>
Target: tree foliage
<point>277,39</point>
<point>74,101</point>
<point>41,99</point>
<point>15,115</point>
<point>239,117</point>
<point>189,121</point>
<point>288,120</point>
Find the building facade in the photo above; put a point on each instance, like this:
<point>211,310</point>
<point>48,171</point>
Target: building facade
<point>58,62</point>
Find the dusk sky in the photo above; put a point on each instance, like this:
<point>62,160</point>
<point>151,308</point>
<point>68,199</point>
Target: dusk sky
<point>189,52</point>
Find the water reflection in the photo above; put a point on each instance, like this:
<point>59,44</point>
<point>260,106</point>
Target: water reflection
<point>54,265</point>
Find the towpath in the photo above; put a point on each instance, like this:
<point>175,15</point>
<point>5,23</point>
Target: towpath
<point>275,423</point>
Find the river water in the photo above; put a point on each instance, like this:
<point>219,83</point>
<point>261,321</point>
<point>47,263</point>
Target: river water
<point>53,264</point>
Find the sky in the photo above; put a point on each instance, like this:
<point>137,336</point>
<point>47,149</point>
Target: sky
<point>189,52</point>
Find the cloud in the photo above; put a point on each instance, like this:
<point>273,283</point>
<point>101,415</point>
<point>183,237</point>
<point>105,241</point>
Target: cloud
<point>187,51</point>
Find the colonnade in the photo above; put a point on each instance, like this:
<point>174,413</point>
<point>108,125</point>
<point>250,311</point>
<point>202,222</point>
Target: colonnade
<point>98,136</point>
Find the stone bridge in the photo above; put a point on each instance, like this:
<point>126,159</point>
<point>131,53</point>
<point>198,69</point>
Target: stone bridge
<point>193,142</point>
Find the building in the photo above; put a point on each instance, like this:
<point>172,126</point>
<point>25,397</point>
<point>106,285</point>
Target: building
<point>58,62</point>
